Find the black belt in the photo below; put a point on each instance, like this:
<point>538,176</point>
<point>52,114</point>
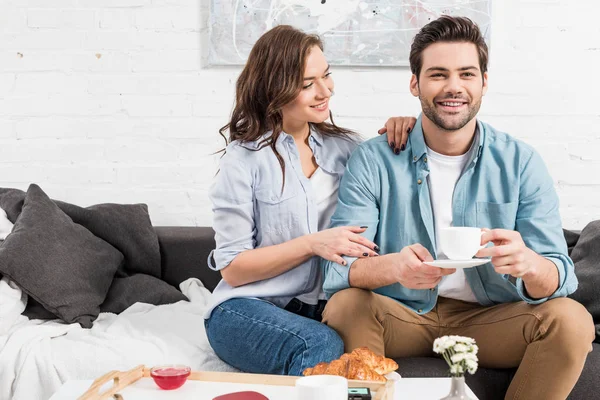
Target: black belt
<point>312,311</point>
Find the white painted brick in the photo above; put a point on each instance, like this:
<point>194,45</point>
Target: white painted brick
<point>45,4</point>
<point>7,129</point>
<point>116,19</point>
<point>65,61</point>
<point>42,40</point>
<point>50,150</point>
<point>206,106</point>
<point>155,106</point>
<point>151,84</point>
<point>60,105</point>
<point>166,175</point>
<point>105,62</point>
<point>73,127</point>
<point>578,173</point>
<point>168,18</point>
<point>165,60</point>
<point>146,40</point>
<point>113,3</point>
<point>60,18</point>
<point>587,151</point>
<point>177,128</point>
<point>51,83</point>
<point>140,150</point>
<point>201,151</point>
<point>57,174</point>
<point>168,40</point>
<point>7,84</point>
<point>557,128</point>
<point>13,19</point>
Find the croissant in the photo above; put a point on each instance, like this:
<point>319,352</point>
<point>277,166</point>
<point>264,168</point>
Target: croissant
<point>380,364</point>
<point>361,364</point>
<point>361,371</point>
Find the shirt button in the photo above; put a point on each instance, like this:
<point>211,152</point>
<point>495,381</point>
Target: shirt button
<point>432,289</point>
<point>420,310</point>
<point>415,158</point>
<point>419,181</point>
<point>425,159</point>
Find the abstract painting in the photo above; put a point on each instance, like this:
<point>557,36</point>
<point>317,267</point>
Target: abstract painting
<point>355,32</point>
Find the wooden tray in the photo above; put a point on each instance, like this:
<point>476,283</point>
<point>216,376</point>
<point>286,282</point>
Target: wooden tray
<point>122,379</point>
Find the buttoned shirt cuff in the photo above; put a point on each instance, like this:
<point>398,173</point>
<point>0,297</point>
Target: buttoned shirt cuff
<point>561,278</point>
<point>337,276</point>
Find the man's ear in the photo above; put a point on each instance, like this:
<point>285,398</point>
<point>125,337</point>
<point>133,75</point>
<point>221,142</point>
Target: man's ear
<point>485,84</point>
<point>414,85</point>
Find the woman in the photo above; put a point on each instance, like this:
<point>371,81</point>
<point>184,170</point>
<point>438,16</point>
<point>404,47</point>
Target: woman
<point>272,200</point>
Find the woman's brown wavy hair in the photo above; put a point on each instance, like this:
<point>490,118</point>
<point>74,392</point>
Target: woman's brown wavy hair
<point>273,77</point>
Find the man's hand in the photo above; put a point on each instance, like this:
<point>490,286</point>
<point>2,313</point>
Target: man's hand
<point>412,273</point>
<point>511,256</point>
<point>509,253</point>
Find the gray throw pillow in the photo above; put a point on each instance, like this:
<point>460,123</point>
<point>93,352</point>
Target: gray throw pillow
<point>586,257</point>
<point>60,264</point>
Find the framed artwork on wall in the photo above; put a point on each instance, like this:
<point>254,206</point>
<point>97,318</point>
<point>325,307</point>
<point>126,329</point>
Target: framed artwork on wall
<point>355,32</point>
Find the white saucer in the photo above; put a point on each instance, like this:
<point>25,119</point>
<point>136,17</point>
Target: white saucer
<point>457,263</point>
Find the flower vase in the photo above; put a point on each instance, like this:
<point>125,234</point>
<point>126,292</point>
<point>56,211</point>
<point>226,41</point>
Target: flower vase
<point>458,389</point>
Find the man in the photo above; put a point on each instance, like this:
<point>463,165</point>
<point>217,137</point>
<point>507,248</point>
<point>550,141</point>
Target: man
<point>458,171</point>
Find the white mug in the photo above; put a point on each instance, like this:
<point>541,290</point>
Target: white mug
<point>322,387</point>
<point>460,243</point>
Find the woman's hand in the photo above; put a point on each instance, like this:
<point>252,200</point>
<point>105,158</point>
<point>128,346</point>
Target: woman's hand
<point>398,129</point>
<point>333,243</point>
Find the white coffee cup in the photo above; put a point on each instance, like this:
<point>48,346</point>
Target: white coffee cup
<point>460,243</point>
<point>322,387</point>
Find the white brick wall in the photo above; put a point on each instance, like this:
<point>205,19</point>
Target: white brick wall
<point>111,101</point>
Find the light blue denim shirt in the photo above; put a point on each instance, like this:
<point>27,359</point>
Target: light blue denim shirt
<point>251,211</point>
<point>505,185</point>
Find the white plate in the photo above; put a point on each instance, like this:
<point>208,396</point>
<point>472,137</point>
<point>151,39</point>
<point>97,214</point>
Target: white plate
<point>457,263</point>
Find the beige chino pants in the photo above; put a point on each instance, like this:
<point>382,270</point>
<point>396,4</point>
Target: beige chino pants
<point>548,342</point>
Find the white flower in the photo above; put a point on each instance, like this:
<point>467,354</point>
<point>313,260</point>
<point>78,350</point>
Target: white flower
<point>460,348</point>
<point>459,352</point>
<point>458,357</point>
<point>472,366</point>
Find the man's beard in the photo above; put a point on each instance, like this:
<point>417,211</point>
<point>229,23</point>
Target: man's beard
<point>430,111</point>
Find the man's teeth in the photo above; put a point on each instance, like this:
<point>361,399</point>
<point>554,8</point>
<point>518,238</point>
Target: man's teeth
<point>451,104</point>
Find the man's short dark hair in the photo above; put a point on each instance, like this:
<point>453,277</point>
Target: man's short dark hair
<point>447,29</point>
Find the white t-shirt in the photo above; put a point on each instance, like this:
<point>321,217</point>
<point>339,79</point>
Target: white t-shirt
<point>325,189</point>
<point>444,172</point>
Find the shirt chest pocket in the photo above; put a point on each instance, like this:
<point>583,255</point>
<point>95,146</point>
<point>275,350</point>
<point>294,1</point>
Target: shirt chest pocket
<point>497,215</point>
<point>278,212</point>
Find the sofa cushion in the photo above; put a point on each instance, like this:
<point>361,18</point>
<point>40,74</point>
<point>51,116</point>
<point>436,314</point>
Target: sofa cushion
<point>60,264</point>
<point>586,256</point>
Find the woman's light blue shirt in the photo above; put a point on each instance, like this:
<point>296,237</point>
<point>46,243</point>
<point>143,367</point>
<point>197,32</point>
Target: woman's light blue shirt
<point>251,211</point>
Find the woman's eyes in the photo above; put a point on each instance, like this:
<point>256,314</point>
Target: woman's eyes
<point>326,76</point>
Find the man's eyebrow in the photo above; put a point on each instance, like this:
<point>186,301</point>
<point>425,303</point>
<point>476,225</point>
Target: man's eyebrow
<point>470,67</point>
<point>310,78</point>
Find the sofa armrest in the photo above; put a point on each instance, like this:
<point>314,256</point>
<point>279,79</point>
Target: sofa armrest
<point>184,251</point>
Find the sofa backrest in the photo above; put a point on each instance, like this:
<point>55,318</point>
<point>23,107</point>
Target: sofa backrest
<point>184,251</point>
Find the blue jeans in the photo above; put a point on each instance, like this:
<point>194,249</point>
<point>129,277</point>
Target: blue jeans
<point>256,336</point>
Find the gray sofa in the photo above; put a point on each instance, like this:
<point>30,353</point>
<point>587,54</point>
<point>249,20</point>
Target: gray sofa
<point>184,251</point>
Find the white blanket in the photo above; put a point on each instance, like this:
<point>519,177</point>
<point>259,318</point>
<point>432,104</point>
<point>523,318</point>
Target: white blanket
<point>37,357</point>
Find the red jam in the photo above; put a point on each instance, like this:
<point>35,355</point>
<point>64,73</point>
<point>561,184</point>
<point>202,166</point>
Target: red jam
<point>170,377</point>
